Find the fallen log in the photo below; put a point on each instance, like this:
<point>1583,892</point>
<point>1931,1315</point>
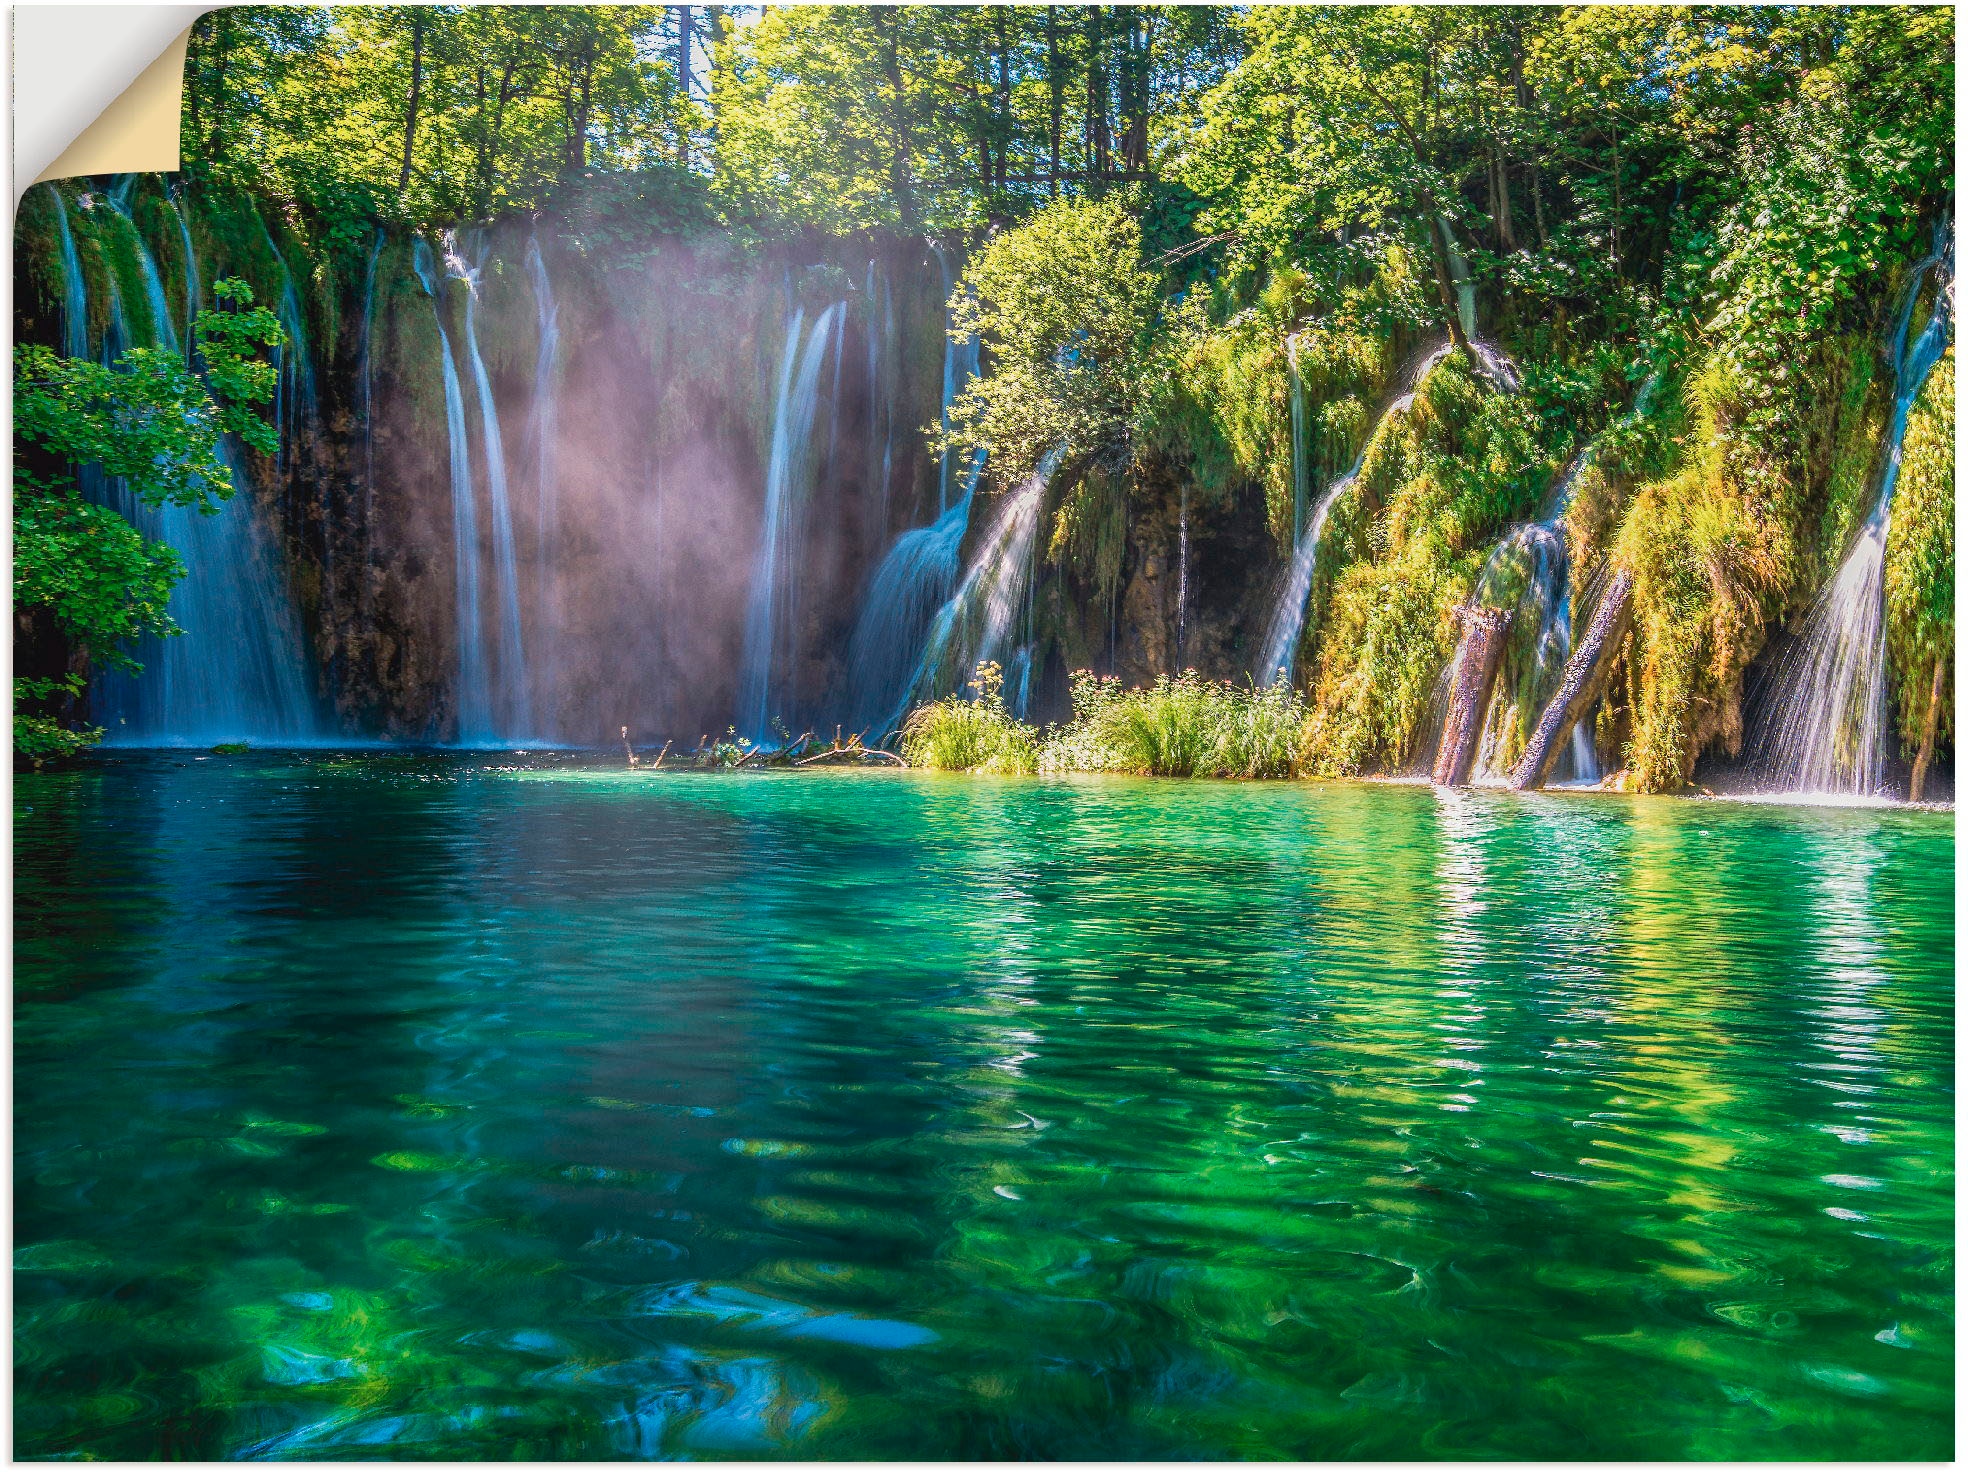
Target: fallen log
<point>1477,661</point>
<point>1581,684</point>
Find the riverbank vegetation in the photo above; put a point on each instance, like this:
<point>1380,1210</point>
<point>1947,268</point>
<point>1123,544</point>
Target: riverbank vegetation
<point>101,451</point>
<point>1181,726</point>
<point>1636,268</point>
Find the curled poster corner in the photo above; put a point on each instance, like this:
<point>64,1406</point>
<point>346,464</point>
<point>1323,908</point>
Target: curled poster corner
<point>97,89</point>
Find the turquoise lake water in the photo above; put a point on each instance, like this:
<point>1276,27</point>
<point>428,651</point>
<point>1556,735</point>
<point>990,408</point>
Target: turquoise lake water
<point>466,1107</point>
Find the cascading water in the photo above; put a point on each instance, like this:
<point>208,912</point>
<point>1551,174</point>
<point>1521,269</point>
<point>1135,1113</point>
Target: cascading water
<point>979,620</point>
<point>236,671</point>
<point>1490,360</point>
<point>880,299</point>
<point>1182,574</point>
<point>474,702</point>
<point>1825,718</point>
<point>1546,602</point>
<point>1301,461</point>
<point>1465,288</point>
<point>913,581</point>
<point>294,396</point>
<point>1538,552</point>
<point>546,470</point>
<point>512,703</point>
<point>1287,625</point>
<point>771,613</point>
<point>366,372</point>
<point>183,213</point>
<point>919,573</point>
<point>546,404</point>
<point>75,289</point>
<point>961,360</point>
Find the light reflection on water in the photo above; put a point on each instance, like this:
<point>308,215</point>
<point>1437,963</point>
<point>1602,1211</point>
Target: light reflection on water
<point>451,1107</point>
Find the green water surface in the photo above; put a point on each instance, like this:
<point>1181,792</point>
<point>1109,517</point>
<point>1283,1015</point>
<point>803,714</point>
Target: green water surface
<point>446,1107</point>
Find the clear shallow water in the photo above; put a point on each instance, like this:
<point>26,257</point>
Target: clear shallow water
<point>429,1107</point>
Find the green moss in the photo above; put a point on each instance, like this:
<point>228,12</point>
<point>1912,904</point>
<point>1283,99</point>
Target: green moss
<point>1920,560</point>
<point>1386,639</point>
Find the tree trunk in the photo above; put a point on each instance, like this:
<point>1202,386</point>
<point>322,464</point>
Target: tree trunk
<point>1056,81</point>
<point>1484,631</point>
<point>1099,149</point>
<point>416,96</point>
<point>1003,123</point>
<point>1928,728</point>
<point>1581,684</point>
<point>1134,101</point>
<point>683,84</point>
<point>1506,226</point>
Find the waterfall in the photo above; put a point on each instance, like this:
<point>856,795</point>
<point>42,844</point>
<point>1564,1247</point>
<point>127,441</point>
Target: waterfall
<point>236,672</point>
<point>1547,598</point>
<point>977,623</point>
<point>546,451</point>
<point>513,705</point>
<point>919,573</point>
<point>294,398</point>
<point>1181,573</point>
<point>771,613</point>
<point>1282,638</point>
<point>913,581</point>
<point>961,360</point>
<point>546,406</point>
<point>75,287</point>
<point>1465,288</point>
<point>178,208</point>
<point>880,300</point>
<point>1538,550</point>
<point>1489,359</point>
<point>1826,722</point>
<point>474,683</point>
<point>1301,460</point>
<point>367,374</point>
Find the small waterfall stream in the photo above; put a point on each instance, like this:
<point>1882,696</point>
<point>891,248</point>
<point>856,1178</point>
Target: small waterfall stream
<point>1825,719</point>
<point>919,573</point>
<point>178,208</point>
<point>366,372</point>
<point>546,406</point>
<point>771,615</point>
<point>978,622</point>
<point>546,639</point>
<point>75,288</point>
<point>911,583</point>
<point>237,672</point>
<point>1287,624</point>
<point>473,698</point>
<point>512,705</point>
<point>1539,551</point>
<point>961,361</point>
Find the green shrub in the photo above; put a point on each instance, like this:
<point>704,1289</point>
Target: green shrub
<point>1920,559</point>
<point>39,739</point>
<point>964,734</point>
<point>1181,727</point>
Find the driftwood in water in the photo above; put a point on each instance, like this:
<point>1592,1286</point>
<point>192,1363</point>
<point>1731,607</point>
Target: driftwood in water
<point>850,749</point>
<point>1927,731</point>
<point>1580,686</point>
<point>1483,634</point>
